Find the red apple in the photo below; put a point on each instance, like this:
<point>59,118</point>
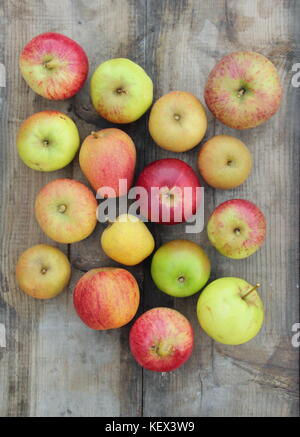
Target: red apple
<point>173,191</point>
<point>106,298</point>
<point>54,66</point>
<point>237,228</point>
<point>161,339</point>
<point>243,90</point>
<point>106,157</point>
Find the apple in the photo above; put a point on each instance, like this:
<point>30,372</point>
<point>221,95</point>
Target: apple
<point>177,121</point>
<point>161,339</point>
<point>224,162</point>
<point>65,209</point>
<point>180,268</point>
<point>230,310</point>
<point>106,298</point>
<point>54,66</point>
<point>237,228</point>
<point>43,271</point>
<point>48,141</point>
<point>105,157</point>
<point>173,191</point>
<point>121,91</point>
<point>243,90</point>
<point>127,240</point>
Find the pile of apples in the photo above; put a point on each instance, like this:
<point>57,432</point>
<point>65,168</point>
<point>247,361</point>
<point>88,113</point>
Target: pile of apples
<point>242,91</point>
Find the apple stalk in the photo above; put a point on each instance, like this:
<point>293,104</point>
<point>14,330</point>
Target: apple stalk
<point>250,291</point>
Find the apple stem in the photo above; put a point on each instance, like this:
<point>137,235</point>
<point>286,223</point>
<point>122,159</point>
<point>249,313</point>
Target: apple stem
<point>250,291</point>
<point>94,134</point>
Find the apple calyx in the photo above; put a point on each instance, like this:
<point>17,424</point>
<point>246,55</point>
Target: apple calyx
<point>237,231</point>
<point>170,196</point>
<point>120,91</point>
<point>177,117</point>
<point>50,64</point>
<point>43,270</point>
<point>61,208</point>
<point>163,348</point>
<point>241,92</point>
<point>45,143</point>
<point>250,291</point>
<point>181,278</point>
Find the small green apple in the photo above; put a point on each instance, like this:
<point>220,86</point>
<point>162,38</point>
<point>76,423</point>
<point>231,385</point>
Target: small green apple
<point>180,268</point>
<point>48,141</point>
<point>230,310</point>
<point>121,91</point>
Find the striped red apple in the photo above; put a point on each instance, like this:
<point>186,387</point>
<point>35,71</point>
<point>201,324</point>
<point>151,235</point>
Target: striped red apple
<point>161,339</point>
<point>243,90</point>
<point>106,298</point>
<point>54,66</point>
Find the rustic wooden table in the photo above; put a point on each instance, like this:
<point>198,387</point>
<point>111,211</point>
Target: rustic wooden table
<point>50,363</point>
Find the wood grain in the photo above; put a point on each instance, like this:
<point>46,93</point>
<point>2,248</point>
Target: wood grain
<point>52,364</point>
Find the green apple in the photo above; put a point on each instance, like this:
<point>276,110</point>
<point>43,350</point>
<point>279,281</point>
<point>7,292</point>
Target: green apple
<point>48,141</point>
<point>121,91</point>
<point>180,268</point>
<point>230,310</point>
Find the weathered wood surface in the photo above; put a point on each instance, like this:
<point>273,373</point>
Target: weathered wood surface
<point>52,364</point>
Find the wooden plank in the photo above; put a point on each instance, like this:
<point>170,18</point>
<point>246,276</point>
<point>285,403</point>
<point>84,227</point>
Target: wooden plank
<point>52,365</point>
<point>119,389</point>
<point>19,313</point>
<point>258,378</point>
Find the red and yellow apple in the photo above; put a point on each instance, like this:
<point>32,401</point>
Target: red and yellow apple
<point>48,140</point>
<point>65,209</point>
<point>106,157</point>
<point>121,90</point>
<point>224,162</point>
<point>237,228</point>
<point>161,339</point>
<point>43,271</point>
<point>230,310</point>
<point>180,268</point>
<point>177,121</point>
<point>243,90</point>
<point>54,66</point>
<point>173,191</point>
<point>106,298</point>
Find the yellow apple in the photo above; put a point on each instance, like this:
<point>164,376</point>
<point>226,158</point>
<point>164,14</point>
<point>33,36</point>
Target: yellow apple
<point>127,240</point>
<point>43,271</point>
<point>224,162</point>
<point>177,121</point>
